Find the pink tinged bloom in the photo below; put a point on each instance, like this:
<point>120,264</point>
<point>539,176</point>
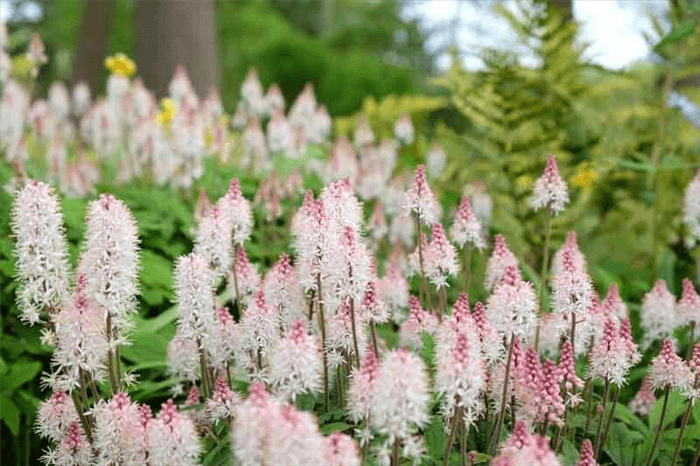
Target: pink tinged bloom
<point>377,226</point>
<point>274,98</point>
<point>644,400</point>
<point>466,229</point>
<point>360,389</point>
<point>571,245</point>
<point>512,308</point>
<point>73,450</point>
<point>610,358</point>
<point>553,407</point>
<point>349,278</point>
<point>403,129</point>
<point>237,209</point>
<point>339,336</point>
<point>342,206</point>
<point>658,314</point>
<point>688,308</point>
<point>363,133</point>
<point>183,357</point>
<point>523,448</point>
<point>550,189</point>
<point>460,372</point>
<point>691,210</point>
<point>226,337</point>
<point>222,404</point>
<point>120,437</point>
<point>497,375</point>
<point>418,321</point>
<point>414,264</point>
<point>491,342</point>
<point>341,450</point>
<point>81,343</point>
<point>402,230</point>
<point>194,288</point>
<point>420,200</point>
<point>55,416</point>
<point>81,99</point>
<point>613,303</point>
<point>298,440</point>
<point>172,438</point>
<point>500,259</point>
<point>440,258</point>
<point>692,389</point>
<point>247,279</point>
<point>254,429</point>
<point>586,456</point>
<point>392,289</point>
<point>259,333</point>
<point>400,399</point>
<point>296,363</point>
<point>572,291</point>
<point>567,368</point>
<point>528,389</point>
<point>629,344</point>
<point>283,291</point>
<point>213,242</point>
<point>667,369</point>
<point>373,309</point>
<point>110,260</point>
<point>436,161</point>
<point>41,250</point>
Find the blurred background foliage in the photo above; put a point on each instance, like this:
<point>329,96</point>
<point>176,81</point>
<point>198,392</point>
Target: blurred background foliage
<point>627,154</point>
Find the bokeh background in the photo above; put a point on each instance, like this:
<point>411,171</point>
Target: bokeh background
<point>611,88</point>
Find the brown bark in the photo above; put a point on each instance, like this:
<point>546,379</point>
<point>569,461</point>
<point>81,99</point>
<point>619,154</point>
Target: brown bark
<point>92,48</point>
<point>176,32</point>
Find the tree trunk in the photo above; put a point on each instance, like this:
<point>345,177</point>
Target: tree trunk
<point>176,32</point>
<point>92,47</point>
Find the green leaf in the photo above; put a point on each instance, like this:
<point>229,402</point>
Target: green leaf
<point>676,406</point>
<point>9,413</point>
<point>570,452</point>
<point>334,427</point>
<point>20,373</point>
<point>435,438</point>
<point>626,415</point>
<point>680,32</point>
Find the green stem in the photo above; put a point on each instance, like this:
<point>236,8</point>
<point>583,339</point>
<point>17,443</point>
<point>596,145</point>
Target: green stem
<point>395,454</point>
<point>424,282</point>
<point>463,444</point>
<point>608,422</point>
<point>589,387</point>
<point>81,416</point>
<point>599,431</point>
<point>659,427</point>
<point>373,330</point>
<point>679,442</point>
<point>451,438</point>
<point>543,277</point>
<point>467,267</point>
<point>110,355</point>
<point>502,411</point>
<point>322,325</point>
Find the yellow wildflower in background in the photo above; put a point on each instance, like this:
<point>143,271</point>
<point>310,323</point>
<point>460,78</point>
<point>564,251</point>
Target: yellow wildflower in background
<point>168,112</point>
<point>121,64</point>
<point>208,137</point>
<point>584,178</point>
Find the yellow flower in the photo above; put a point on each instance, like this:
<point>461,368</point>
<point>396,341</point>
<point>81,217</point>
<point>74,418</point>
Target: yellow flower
<point>584,178</point>
<point>208,137</point>
<point>167,113</point>
<point>120,64</point>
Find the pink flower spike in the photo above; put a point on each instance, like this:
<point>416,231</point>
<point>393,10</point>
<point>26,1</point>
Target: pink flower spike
<point>691,210</point>
<point>658,314</point>
<point>296,363</point>
<point>550,189</point>
<point>419,199</point>
<point>172,438</point>
<point>667,369</point>
<point>688,308</point>
<point>586,457</point>
<point>222,404</point>
<point>644,400</point>
<point>440,258</point>
<point>341,450</point>
<point>361,386</point>
<point>613,304</point>
<point>500,259</point>
<point>466,227</point>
